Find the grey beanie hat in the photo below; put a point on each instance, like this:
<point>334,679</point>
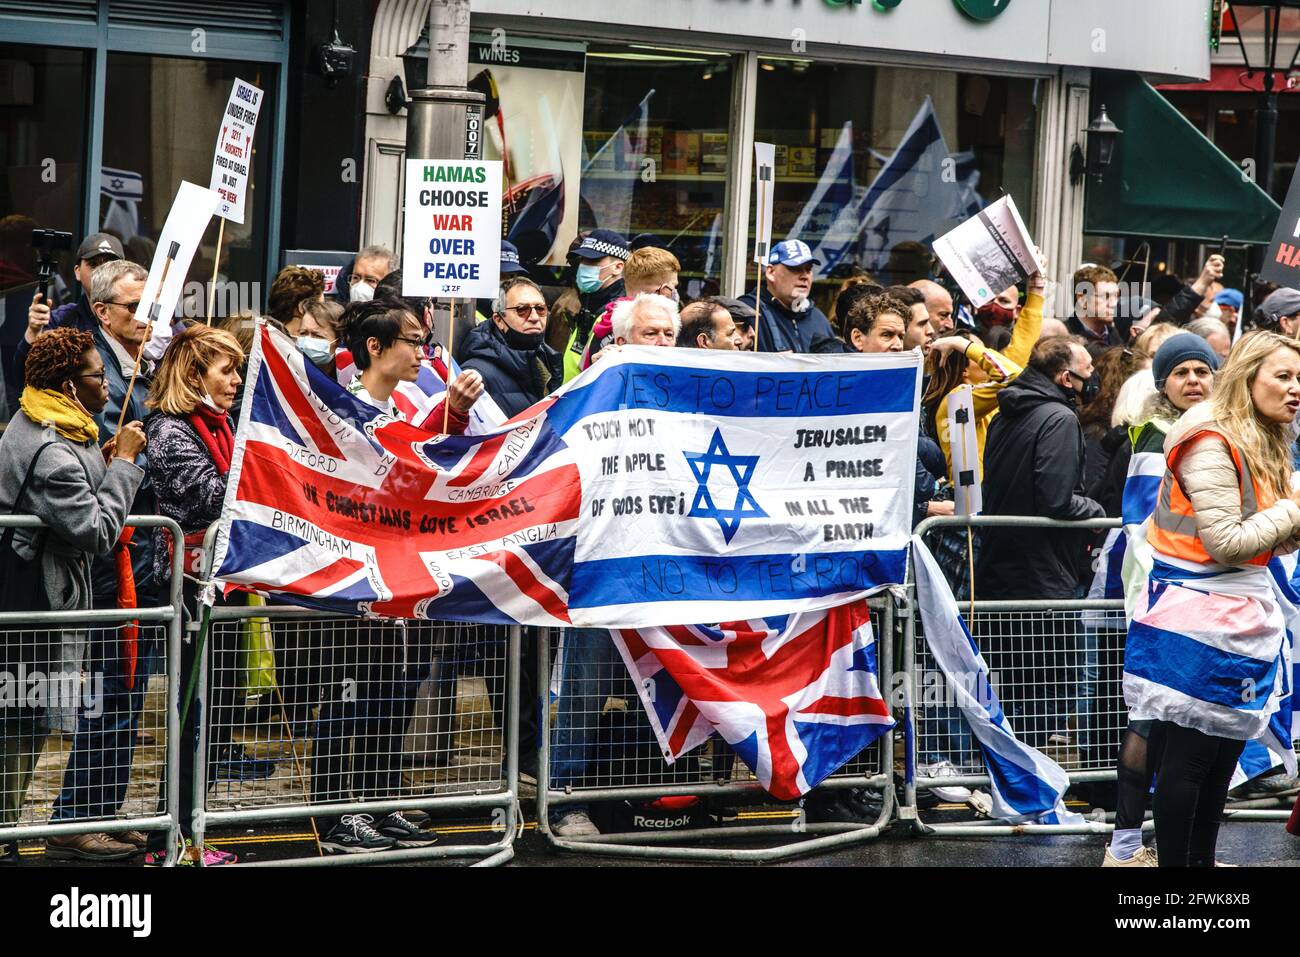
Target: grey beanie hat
<point>1178,349</point>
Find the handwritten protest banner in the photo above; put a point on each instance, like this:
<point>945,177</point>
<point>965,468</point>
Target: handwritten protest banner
<point>661,486</point>
<point>233,160</point>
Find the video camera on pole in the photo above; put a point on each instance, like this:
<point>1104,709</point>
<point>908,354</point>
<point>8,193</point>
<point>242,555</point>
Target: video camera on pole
<point>47,243</point>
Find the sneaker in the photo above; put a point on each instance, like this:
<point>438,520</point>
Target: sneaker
<point>526,775</point>
<point>404,832</point>
<point>721,811</point>
<point>137,839</point>
<point>87,847</point>
<point>867,802</point>
<point>574,824</point>
<point>235,764</point>
<point>1278,784</point>
<point>528,767</point>
<point>954,794</point>
<point>354,835</point>
<point>1145,857</point>
<point>836,806</point>
<point>980,802</point>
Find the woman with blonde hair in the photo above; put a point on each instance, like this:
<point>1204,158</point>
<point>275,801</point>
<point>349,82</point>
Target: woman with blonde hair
<point>192,443</point>
<point>1151,402</point>
<point>1205,654</point>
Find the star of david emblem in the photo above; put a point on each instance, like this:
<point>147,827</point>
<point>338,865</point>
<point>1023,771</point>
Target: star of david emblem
<point>117,183</point>
<point>741,468</point>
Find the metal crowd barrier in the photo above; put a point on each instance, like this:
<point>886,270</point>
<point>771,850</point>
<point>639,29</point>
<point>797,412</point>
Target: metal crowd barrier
<point>73,720</point>
<point>597,749</point>
<point>357,717</point>
<point>1038,653</point>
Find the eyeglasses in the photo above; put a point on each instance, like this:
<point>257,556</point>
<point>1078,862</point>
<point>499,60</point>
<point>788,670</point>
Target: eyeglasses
<point>418,343</point>
<point>133,306</point>
<point>524,311</point>
<point>100,375</point>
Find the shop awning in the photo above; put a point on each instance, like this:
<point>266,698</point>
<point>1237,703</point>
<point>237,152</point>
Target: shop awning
<point>1167,179</point>
<point>1234,78</point>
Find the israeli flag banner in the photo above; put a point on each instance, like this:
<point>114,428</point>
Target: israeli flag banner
<point>762,484</point>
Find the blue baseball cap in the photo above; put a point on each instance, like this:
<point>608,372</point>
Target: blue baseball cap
<point>600,243</point>
<point>1230,297</point>
<point>791,252</point>
<point>510,258</point>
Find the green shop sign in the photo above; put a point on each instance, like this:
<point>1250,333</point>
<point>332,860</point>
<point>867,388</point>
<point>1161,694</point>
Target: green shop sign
<point>878,4</point>
<point>982,9</point>
<point>975,9</point>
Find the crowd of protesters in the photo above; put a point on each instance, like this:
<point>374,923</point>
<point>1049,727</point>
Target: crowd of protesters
<point>1060,405</point>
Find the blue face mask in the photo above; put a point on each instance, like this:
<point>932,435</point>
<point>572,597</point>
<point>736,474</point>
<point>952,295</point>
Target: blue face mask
<point>589,278</point>
<point>318,351</point>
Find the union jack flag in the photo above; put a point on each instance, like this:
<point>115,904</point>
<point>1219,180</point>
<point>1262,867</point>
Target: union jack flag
<point>796,697</point>
<point>347,509</point>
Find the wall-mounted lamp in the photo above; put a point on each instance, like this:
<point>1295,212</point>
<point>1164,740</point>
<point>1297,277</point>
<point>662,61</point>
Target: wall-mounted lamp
<point>415,61</point>
<point>1102,135</point>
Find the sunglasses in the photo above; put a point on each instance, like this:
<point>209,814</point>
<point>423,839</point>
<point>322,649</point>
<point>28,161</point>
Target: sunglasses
<point>524,311</point>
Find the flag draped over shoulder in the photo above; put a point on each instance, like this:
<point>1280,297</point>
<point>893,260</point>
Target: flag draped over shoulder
<point>660,486</point>
<point>1122,572</point>
<point>796,697</point>
<point>1026,785</point>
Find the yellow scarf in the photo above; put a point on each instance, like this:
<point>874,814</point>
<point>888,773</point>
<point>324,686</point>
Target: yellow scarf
<point>46,406</point>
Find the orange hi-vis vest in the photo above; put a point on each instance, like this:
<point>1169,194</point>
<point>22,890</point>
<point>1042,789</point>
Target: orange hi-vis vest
<point>1173,523</point>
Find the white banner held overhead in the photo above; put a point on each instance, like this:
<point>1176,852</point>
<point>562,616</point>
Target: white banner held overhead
<point>233,159</point>
<point>190,214</point>
<point>967,493</point>
<point>764,180</point>
<point>451,241</point>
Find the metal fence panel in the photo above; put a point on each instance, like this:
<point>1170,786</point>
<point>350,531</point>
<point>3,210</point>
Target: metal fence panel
<point>597,746</point>
<point>88,721</point>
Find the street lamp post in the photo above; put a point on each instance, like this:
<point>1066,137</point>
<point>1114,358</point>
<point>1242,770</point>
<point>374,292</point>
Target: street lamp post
<point>444,120</point>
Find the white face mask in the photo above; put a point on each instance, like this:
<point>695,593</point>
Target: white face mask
<point>800,304</point>
<point>362,292</point>
<point>207,400</point>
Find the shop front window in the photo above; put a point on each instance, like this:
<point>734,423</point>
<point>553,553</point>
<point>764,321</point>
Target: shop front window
<point>656,134</point>
<point>162,116</point>
<point>874,163</point>
<point>43,104</point>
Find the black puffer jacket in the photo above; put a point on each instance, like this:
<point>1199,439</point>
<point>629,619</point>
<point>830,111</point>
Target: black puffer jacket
<point>514,379</point>
<point>1033,465</point>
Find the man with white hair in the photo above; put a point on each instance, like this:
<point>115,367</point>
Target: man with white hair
<point>1213,332</point>
<point>591,664</point>
<point>647,320</point>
